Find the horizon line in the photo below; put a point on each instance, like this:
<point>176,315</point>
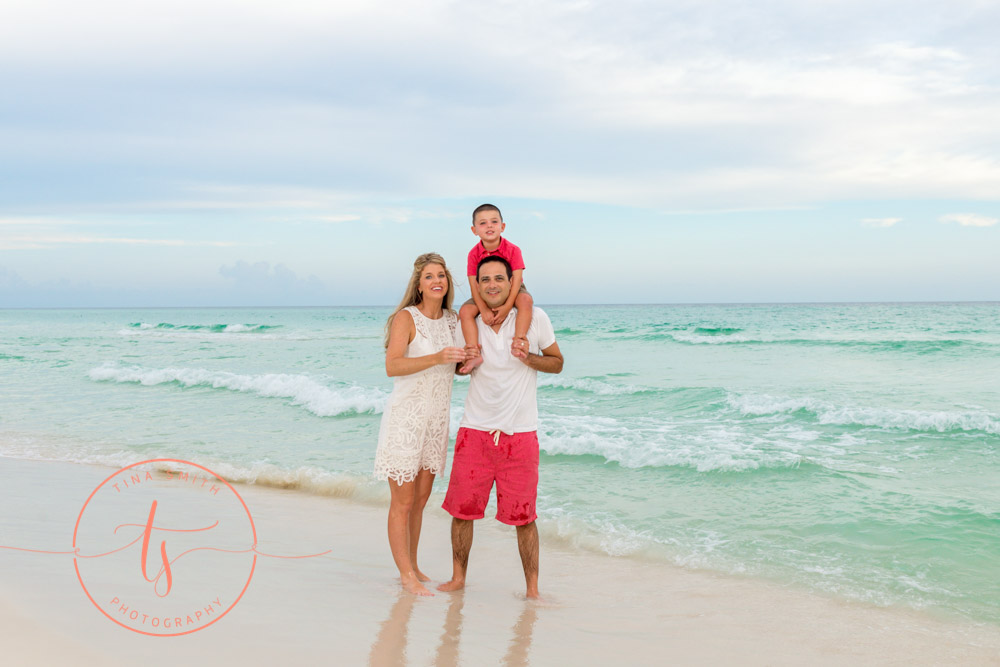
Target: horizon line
<point>636,304</point>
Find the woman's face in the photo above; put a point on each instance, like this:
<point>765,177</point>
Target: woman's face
<point>433,282</point>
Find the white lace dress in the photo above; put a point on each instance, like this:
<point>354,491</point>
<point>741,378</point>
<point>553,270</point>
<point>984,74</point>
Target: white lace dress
<point>414,431</point>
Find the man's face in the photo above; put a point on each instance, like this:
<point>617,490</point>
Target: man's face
<point>494,285</point>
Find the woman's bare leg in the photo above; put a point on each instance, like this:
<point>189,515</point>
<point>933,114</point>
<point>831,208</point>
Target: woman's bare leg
<point>400,508</point>
<point>424,482</point>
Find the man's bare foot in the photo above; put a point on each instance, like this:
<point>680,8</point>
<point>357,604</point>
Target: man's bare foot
<point>532,594</point>
<point>413,585</point>
<point>452,586</point>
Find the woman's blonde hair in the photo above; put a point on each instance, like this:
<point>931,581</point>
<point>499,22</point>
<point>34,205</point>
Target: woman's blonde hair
<point>412,296</point>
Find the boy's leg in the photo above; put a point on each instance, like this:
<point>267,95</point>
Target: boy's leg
<point>467,316</point>
<point>524,303</point>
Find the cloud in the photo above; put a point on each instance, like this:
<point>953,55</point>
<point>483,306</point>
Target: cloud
<point>880,222</point>
<point>9,280</point>
<point>262,282</point>
<point>24,242</point>
<point>340,217</point>
<point>908,52</point>
<point>257,284</point>
<point>37,221</point>
<point>687,105</point>
<point>24,232</point>
<point>969,220</point>
<point>258,196</point>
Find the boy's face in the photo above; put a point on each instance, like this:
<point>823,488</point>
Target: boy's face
<point>488,226</point>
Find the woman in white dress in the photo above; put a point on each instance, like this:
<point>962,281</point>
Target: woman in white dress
<point>421,351</point>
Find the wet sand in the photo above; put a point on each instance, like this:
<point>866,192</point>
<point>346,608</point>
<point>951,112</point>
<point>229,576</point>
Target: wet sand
<point>345,607</point>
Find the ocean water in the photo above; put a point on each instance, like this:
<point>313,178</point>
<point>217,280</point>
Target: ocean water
<point>848,449</point>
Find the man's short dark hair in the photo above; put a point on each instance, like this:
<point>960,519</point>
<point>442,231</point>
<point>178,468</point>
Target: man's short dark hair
<point>486,207</point>
<point>494,258</point>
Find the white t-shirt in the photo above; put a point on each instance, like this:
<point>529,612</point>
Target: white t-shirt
<point>502,388</point>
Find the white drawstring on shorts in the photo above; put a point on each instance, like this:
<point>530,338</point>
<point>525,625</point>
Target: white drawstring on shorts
<point>496,437</point>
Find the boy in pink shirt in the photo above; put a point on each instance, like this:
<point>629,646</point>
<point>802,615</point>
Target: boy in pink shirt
<point>487,224</point>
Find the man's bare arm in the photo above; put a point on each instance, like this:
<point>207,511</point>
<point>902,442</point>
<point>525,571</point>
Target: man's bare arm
<point>549,361</point>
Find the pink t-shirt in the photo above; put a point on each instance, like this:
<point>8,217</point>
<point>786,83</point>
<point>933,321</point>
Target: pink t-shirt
<point>506,249</point>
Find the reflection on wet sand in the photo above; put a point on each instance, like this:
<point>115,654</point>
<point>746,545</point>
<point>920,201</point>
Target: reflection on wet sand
<point>389,649</point>
<point>447,653</point>
<point>520,643</point>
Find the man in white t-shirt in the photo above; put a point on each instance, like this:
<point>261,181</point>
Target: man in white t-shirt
<point>498,440</point>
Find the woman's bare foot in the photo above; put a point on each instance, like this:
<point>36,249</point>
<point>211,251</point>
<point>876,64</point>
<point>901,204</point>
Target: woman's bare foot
<point>452,586</point>
<point>421,576</point>
<point>412,585</point>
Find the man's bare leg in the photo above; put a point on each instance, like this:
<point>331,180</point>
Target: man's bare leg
<point>461,544</point>
<point>424,482</point>
<point>527,545</point>
<point>400,506</point>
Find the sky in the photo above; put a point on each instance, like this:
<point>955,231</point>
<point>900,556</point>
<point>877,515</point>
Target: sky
<point>250,153</point>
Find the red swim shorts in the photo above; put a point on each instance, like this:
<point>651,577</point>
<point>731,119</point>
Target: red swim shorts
<point>512,463</point>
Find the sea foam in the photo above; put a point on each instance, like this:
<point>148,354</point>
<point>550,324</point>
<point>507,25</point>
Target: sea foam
<point>306,479</point>
<point>214,328</point>
<point>649,442</point>
<point>317,398</point>
<point>942,421</point>
<point>590,385</point>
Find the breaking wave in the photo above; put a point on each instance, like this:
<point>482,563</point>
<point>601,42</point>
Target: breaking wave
<point>317,398</point>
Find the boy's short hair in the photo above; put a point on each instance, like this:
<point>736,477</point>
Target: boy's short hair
<point>486,207</point>
<point>494,258</point>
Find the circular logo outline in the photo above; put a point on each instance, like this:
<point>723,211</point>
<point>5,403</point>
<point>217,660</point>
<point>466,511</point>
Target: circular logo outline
<point>76,564</point>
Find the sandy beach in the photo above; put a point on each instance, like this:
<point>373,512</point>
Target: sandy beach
<point>345,607</point>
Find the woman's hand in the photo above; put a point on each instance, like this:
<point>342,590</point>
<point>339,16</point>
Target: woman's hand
<point>451,355</point>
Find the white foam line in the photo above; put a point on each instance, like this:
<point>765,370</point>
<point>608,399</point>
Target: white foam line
<point>917,420</point>
<point>589,385</point>
<point>301,389</point>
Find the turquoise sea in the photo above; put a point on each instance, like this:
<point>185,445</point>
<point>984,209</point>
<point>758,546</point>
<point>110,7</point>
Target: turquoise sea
<point>851,449</point>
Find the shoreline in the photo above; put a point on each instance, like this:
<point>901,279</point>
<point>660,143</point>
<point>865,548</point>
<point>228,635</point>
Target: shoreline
<point>347,603</point>
<point>353,491</point>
